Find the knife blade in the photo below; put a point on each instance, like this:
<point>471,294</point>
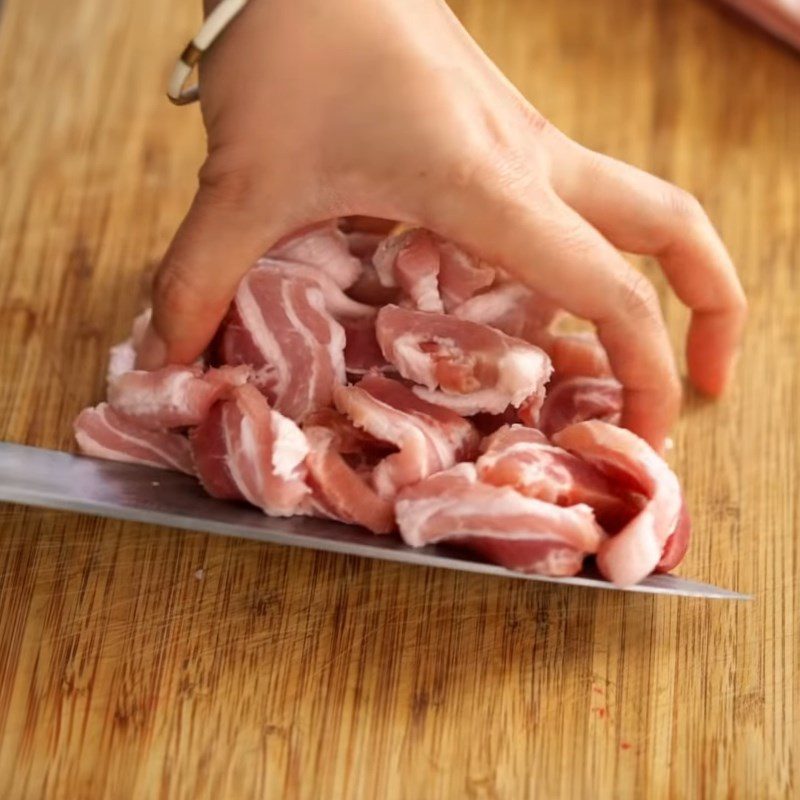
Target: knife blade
<point>51,479</point>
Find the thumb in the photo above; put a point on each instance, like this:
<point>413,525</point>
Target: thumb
<point>227,227</point>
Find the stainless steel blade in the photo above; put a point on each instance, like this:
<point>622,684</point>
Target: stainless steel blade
<point>36,477</point>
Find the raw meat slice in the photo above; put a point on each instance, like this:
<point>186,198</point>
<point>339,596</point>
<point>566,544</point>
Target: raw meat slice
<point>279,326</point>
<point>322,246</point>
<point>576,354</point>
<point>172,397</point>
<point>336,301</point>
<point>122,356</point>
<point>460,275</point>
<point>525,460</point>
<point>410,260</point>
<point>639,547</point>
<point>429,437</point>
<point>103,433</point>
<point>463,365</point>
<point>518,532</point>
<point>436,274</point>
<point>368,289</point>
<point>244,449</point>
<point>363,244</point>
<point>349,439</point>
<point>511,308</point>
<point>361,351</point>
<point>338,490</point>
<point>519,311</point>
<point>576,400</point>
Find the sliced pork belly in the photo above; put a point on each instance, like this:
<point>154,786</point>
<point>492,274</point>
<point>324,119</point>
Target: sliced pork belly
<point>435,274</point>
<point>658,535</point>
<point>410,260</point>
<point>246,450</point>
<point>279,325</point>
<point>338,490</point>
<point>361,351</point>
<point>519,311</point>
<point>337,302</point>
<point>518,532</point>
<point>463,365</point>
<point>348,439</point>
<point>524,459</point>
<point>103,433</point>
<point>363,244</point>
<point>322,246</point>
<point>576,355</point>
<point>122,357</point>
<point>510,307</point>
<point>429,437</point>
<point>369,290</point>
<point>576,400</point>
<point>172,397</point>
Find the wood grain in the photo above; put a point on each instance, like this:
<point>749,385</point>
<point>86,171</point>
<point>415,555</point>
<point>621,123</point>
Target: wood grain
<point>139,662</point>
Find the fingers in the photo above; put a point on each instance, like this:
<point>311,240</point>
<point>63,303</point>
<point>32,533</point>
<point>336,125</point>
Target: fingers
<point>640,213</point>
<point>225,230</point>
<point>546,244</point>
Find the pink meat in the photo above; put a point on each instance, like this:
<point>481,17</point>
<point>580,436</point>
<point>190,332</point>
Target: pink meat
<point>576,355</point>
<point>246,450</point>
<point>322,246</point>
<point>122,357</point>
<point>518,532</point>
<point>410,260</point>
<point>461,275</point>
<point>172,397</point>
<point>361,351</point>
<point>349,439</point>
<point>103,433</point>
<point>363,244</point>
<point>576,400</point>
<point>369,290</point>
<point>337,303</point>
<point>658,535</point>
<point>429,437</point>
<point>512,308</point>
<point>279,326</point>
<point>523,313</point>
<point>338,490</point>
<point>463,365</point>
<point>434,273</point>
<point>525,460</point>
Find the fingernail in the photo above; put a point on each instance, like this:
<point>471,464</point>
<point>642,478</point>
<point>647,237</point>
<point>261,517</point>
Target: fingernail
<point>152,352</point>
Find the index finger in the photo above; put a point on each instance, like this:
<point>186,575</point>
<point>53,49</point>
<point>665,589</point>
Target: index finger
<point>641,213</point>
<point>550,247</point>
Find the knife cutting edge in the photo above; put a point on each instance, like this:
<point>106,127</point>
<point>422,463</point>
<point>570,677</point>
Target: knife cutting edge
<point>51,479</point>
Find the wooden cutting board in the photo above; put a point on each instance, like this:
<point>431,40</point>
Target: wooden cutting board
<point>138,662</point>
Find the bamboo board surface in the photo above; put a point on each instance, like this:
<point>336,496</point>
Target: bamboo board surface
<point>138,662</point>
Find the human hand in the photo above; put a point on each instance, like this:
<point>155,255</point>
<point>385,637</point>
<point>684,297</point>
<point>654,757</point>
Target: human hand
<point>316,110</point>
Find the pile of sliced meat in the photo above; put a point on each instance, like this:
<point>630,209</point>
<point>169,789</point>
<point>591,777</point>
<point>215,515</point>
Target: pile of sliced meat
<point>386,378</point>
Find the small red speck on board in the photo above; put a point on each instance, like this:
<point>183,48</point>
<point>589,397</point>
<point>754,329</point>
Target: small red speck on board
<point>597,690</point>
<point>625,745</point>
<point>601,712</point>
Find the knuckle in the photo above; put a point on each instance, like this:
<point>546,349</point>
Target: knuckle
<point>683,205</point>
<point>640,299</point>
<point>174,293</point>
<point>223,184</point>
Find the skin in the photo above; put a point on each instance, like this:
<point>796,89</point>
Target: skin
<point>388,108</point>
